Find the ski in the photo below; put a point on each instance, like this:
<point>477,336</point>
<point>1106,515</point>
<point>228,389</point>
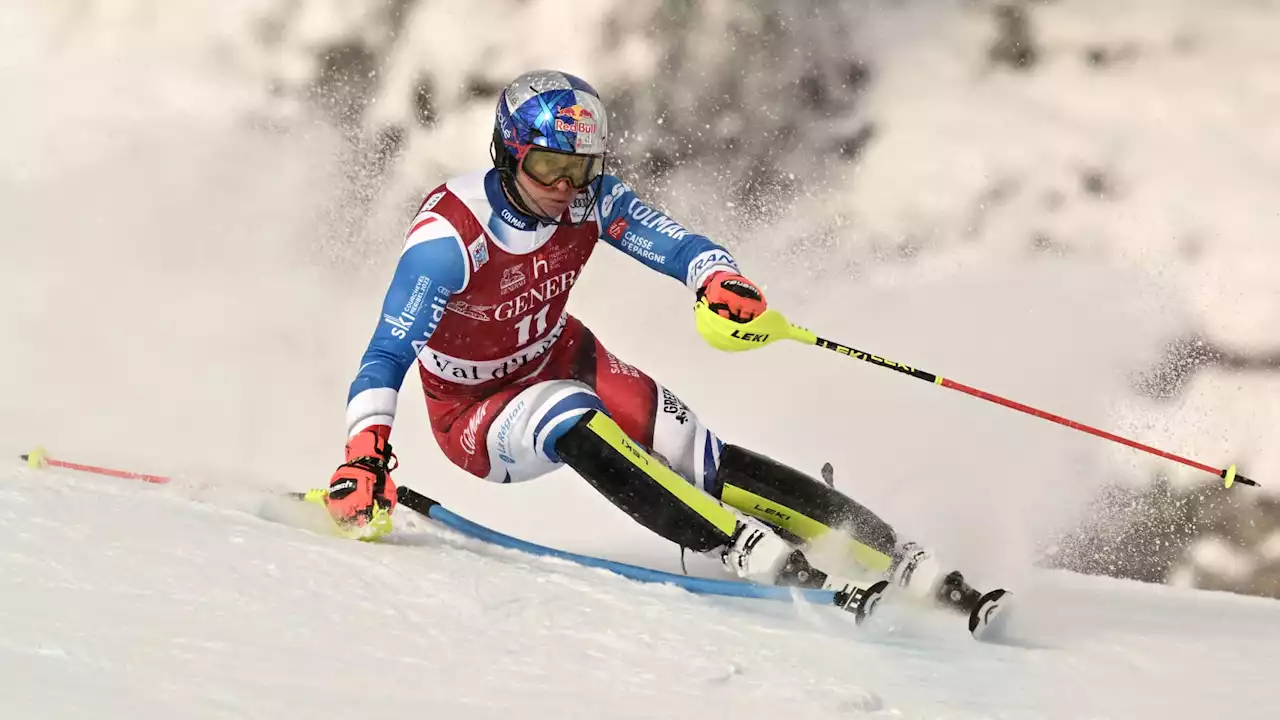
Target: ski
<point>986,612</point>
<point>858,599</point>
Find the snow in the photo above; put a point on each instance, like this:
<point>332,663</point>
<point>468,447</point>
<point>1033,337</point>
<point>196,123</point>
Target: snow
<point>1270,549</point>
<point>183,293</point>
<point>1222,557</point>
<point>127,600</point>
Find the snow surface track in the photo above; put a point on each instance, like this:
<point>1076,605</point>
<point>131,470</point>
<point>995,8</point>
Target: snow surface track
<point>169,305</point>
<point>194,605</point>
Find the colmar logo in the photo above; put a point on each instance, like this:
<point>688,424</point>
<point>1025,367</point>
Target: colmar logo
<point>468,439</point>
<point>581,120</point>
<point>655,220</point>
<point>515,221</point>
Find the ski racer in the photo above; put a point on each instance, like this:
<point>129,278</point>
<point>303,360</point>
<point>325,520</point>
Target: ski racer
<point>516,386</point>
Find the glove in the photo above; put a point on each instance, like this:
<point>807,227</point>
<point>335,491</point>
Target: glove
<point>361,493</point>
<point>732,296</point>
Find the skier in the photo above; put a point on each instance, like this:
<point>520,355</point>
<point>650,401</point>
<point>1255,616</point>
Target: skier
<point>515,386</point>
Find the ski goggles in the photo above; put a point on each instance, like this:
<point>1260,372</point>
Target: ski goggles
<point>547,167</point>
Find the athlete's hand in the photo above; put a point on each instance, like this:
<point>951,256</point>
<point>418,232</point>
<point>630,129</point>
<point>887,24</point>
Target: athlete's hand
<point>361,492</point>
<point>732,296</point>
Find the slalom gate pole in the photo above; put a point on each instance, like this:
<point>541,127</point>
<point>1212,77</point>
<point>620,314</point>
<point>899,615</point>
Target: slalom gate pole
<point>39,458</point>
<point>728,335</point>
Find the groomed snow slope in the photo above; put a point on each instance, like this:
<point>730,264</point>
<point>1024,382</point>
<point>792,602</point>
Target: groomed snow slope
<point>167,305</point>
<point>204,609</point>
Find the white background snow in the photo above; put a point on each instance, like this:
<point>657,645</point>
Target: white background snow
<point>166,309</point>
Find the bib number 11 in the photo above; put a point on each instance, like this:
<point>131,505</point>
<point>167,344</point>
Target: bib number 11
<point>526,323</point>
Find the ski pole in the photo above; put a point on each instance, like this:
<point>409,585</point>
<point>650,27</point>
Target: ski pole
<point>728,335</point>
<point>39,458</point>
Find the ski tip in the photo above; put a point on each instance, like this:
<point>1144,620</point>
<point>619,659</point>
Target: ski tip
<point>868,605</point>
<point>986,620</point>
<point>36,458</point>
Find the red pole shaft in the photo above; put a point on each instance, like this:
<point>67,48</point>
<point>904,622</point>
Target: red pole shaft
<point>1229,474</point>
<point>944,382</point>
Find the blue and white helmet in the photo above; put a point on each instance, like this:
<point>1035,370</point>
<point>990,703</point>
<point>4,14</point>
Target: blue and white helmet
<point>550,126</point>
<point>552,110</point>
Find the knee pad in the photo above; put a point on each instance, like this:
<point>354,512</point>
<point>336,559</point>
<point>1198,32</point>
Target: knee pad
<point>801,505</point>
<point>642,486</point>
<point>522,440</point>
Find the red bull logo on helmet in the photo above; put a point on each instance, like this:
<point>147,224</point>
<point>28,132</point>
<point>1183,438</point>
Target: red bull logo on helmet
<point>581,120</point>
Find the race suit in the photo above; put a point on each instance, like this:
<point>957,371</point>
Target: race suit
<point>478,299</point>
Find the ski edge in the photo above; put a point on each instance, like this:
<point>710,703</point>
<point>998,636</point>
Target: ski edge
<point>986,619</point>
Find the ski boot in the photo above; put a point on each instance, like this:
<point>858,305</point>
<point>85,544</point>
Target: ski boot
<point>920,574</point>
<point>956,594</point>
<point>757,553</point>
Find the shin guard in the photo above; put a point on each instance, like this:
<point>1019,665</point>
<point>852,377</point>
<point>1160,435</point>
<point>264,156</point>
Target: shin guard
<point>803,506</point>
<point>644,488</point>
